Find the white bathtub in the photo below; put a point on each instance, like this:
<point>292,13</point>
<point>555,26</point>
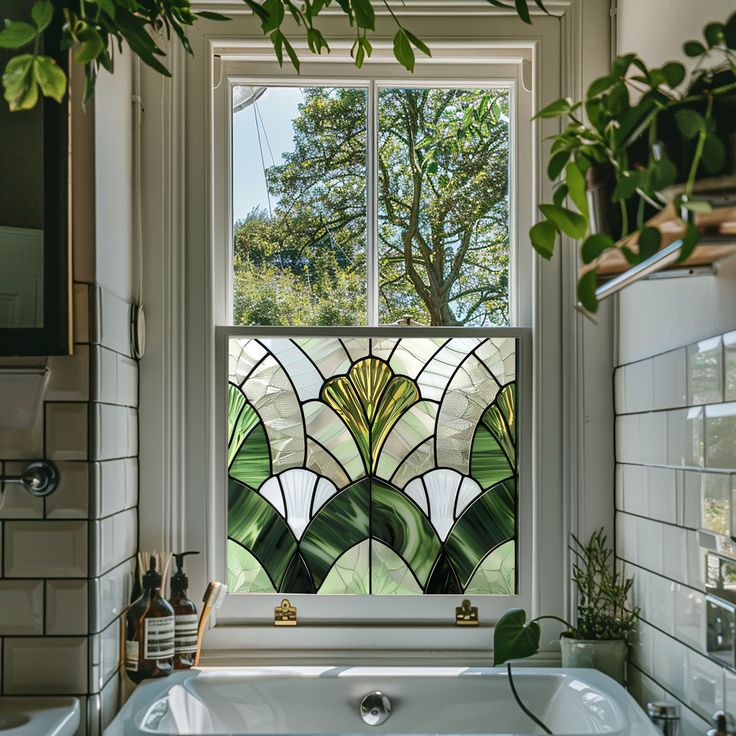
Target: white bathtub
<point>425,700</point>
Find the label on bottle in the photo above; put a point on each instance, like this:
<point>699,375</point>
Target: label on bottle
<point>158,637</point>
<point>131,655</point>
<point>185,633</point>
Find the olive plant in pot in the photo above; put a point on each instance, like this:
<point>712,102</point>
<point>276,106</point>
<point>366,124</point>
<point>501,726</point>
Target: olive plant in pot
<point>605,616</point>
<point>642,141</point>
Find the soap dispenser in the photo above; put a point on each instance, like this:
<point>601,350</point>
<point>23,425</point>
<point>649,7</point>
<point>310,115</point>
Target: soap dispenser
<point>185,616</point>
<point>149,631</point>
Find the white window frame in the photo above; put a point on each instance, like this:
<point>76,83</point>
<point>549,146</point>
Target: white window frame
<point>178,455</point>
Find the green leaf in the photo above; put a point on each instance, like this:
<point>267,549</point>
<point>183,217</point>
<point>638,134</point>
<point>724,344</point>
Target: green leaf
<point>674,74</point>
<point>729,32</point>
<point>600,85</point>
<point>649,241</point>
<point>513,638</point>
<point>595,245</point>
<point>555,109</point>
<point>50,77</point>
<point>576,188</point>
<point>365,16</point>
<point>557,163</point>
<point>15,35</point>
<point>693,48</point>
<point>586,290</point>
<point>543,236</point>
<point>523,10</point>
<point>569,222</point>
<point>292,54</point>
<point>107,6</point>
<point>418,43</point>
<point>697,206</point>
<point>626,185</point>
<point>689,122</point>
<point>42,13</point>
<point>403,51</point>
<point>714,153</point>
<point>90,46</point>
<point>689,242</point>
<point>714,34</point>
<point>560,193</point>
<point>663,174</point>
<point>275,10</point>
<point>19,83</point>
<point>209,15</point>
<point>257,9</point>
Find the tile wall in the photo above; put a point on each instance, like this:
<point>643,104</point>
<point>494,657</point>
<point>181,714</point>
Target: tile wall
<point>65,561</point>
<point>675,484</point>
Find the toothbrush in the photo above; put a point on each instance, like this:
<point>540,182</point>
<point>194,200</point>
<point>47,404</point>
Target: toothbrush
<point>214,597</point>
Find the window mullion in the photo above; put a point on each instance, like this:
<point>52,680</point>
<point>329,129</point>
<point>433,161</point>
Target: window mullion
<point>372,206</point>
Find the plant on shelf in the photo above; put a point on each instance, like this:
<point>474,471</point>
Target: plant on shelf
<point>605,616</point>
<point>640,141</point>
<point>91,29</point>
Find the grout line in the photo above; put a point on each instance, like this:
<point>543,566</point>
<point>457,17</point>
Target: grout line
<point>659,521</point>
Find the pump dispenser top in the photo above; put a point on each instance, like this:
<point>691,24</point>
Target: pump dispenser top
<point>185,616</point>
<point>179,580</point>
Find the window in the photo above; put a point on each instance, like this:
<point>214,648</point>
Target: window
<point>368,204</point>
<point>383,466</point>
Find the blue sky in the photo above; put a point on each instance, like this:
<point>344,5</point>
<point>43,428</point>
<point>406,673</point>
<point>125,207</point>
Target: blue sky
<point>277,107</point>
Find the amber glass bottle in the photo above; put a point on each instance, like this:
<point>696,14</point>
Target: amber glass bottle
<point>149,635</point>
<point>185,616</point>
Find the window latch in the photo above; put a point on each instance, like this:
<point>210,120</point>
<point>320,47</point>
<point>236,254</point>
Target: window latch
<point>285,614</point>
<point>466,614</point>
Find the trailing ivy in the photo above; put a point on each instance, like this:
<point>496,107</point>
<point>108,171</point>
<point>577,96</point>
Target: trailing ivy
<point>617,128</point>
<point>91,28</point>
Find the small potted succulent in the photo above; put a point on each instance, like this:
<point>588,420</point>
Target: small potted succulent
<point>605,616</point>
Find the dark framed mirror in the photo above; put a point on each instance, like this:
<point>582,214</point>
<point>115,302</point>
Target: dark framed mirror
<point>35,262</point>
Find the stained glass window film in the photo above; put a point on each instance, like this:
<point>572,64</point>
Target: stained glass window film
<point>372,465</point>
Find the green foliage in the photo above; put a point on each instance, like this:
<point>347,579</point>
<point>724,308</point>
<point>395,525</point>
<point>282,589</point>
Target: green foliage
<point>92,27</point>
<point>443,213</point>
<point>604,610</point>
<point>614,130</point>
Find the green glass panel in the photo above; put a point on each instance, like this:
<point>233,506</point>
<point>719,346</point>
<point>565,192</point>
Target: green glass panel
<point>338,525</point>
<point>496,574</point>
<point>443,580</point>
<point>488,462</point>
<point>252,464</point>
<point>500,420</point>
<point>486,523</point>
<point>244,573</point>
<point>257,526</point>
<point>242,417</point>
<point>400,524</point>
<point>390,575</point>
<point>350,574</point>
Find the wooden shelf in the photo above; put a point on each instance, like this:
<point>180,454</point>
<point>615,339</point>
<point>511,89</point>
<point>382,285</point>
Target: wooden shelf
<point>720,224</point>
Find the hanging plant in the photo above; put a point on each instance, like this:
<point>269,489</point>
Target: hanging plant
<point>90,28</point>
<point>638,134</point>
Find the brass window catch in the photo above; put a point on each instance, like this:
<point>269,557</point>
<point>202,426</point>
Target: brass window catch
<point>466,614</point>
<point>285,614</point>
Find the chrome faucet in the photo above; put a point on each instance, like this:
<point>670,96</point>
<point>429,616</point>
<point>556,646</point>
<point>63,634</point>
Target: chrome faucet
<point>724,724</point>
<point>666,717</point>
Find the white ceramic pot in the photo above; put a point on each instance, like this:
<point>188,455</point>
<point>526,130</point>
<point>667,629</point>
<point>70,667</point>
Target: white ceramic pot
<point>608,656</point>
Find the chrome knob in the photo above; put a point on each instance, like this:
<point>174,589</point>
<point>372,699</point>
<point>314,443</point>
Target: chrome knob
<point>375,708</point>
<point>666,717</point>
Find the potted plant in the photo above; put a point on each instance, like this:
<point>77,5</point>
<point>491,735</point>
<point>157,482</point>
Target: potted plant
<point>605,616</point>
<point>640,142</point>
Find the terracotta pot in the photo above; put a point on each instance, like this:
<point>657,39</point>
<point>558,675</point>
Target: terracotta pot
<point>608,656</point>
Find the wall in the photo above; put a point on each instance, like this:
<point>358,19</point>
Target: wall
<point>65,561</point>
<point>674,456</point>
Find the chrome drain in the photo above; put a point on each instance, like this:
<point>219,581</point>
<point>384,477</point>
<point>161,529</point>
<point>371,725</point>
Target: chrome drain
<point>375,709</point>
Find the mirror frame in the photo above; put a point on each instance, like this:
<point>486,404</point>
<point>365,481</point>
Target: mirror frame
<point>55,336</point>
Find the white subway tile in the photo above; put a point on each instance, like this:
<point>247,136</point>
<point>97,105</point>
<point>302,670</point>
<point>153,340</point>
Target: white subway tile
<point>642,646</point>
<point>639,386</point>
<point>110,595</point>
<point>112,433</point>
<point>81,313</point>
<point>45,666</point>
<point>23,443</point>
<point>627,439</point>
<point>110,701</point>
<point>115,378</point>
<point>50,549</point>
<point>729,691</point>
<point>705,372</point>
<point>705,685</point>
<point>653,438</point>
<point>649,543</point>
<point>659,609</point>
<point>662,494</point>
<point>692,499</point>
<point>619,487</point>
<point>695,562</point>
<point>69,376</point>
<point>113,540</point>
<point>720,436</point>
<point>690,617</point>
<point>674,558</point>
<point>66,431</point>
<point>104,655</point>
<point>670,385</point>
<point>21,607</point>
<point>113,321</point>
<point>716,503</point>
<point>670,664</point>
<point>685,437</point>
<point>66,607</point>
<point>635,489</point>
<point>71,498</point>
<point>619,390</point>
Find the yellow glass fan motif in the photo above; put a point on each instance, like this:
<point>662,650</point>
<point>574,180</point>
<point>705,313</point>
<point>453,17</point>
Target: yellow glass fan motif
<point>370,399</point>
